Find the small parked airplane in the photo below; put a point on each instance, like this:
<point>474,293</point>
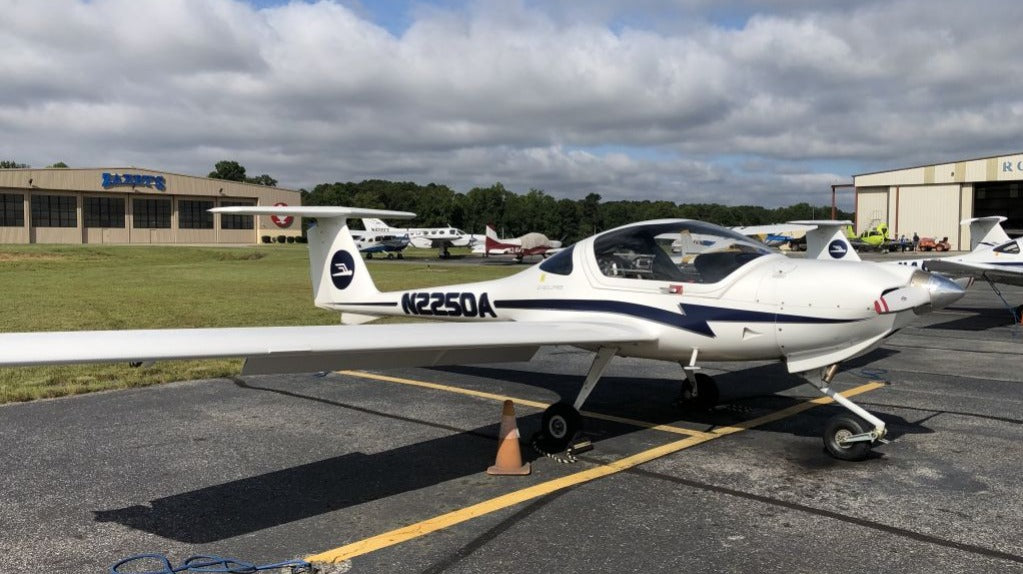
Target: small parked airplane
<point>616,293</point>
<point>528,244</point>
<point>371,242</point>
<point>440,238</point>
<point>993,257</point>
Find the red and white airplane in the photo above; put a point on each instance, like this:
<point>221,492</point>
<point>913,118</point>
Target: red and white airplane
<point>520,247</point>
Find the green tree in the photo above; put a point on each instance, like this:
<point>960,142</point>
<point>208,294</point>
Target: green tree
<point>229,170</point>
<point>234,171</point>
<point>12,165</point>
<point>262,180</point>
<point>58,164</point>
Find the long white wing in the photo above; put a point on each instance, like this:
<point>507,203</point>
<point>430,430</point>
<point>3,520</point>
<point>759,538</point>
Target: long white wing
<point>1009,276</point>
<point>309,349</point>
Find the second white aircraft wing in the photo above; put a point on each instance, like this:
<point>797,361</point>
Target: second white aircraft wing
<point>317,348</point>
<point>1010,275</point>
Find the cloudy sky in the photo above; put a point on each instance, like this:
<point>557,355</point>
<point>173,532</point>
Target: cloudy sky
<point>734,101</point>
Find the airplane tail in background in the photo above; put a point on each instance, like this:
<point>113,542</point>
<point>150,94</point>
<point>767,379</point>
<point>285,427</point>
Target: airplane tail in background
<point>336,268</point>
<point>492,240</point>
<point>986,232</point>
<point>827,240</point>
<point>373,224</point>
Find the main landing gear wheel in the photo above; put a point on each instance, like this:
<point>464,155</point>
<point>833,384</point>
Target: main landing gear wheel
<point>559,425</point>
<point>369,256</point>
<point>840,429</point>
<point>703,396</point>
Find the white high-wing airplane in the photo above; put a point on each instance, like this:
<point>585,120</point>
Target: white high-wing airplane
<point>616,293</point>
<point>424,237</point>
<point>993,257</point>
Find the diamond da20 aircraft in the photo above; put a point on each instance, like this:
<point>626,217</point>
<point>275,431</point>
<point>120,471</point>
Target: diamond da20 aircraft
<point>617,293</point>
<point>993,257</point>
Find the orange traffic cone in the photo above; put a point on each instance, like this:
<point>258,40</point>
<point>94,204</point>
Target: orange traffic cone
<point>509,456</point>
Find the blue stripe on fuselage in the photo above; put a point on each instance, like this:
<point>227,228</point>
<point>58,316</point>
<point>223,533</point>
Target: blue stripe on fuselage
<point>694,318</point>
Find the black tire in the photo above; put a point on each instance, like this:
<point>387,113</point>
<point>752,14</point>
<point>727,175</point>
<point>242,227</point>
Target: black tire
<point>369,256</point>
<point>707,393</point>
<point>400,256</point>
<point>842,426</point>
<point>390,256</point>
<point>559,425</point>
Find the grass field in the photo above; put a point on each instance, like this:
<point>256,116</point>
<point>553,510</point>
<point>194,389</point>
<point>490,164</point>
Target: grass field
<point>71,288</point>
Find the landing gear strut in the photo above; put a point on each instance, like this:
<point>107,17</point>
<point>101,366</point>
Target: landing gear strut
<point>561,421</point>
<point>699,391</point>
<point>847,437</point>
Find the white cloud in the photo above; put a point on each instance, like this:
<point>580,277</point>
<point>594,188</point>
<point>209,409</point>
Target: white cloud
<point>509,91</point>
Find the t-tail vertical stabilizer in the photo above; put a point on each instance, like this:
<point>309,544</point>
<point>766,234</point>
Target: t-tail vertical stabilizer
<point>336,269</point>
<point>986,232</point>
<point>827,240</point>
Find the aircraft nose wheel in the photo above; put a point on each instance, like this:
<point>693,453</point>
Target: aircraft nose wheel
<point>702,396</point>
<point>559,425</point>
<point>847,438</point>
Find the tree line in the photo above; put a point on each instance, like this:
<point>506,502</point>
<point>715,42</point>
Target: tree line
<point>514,214</point>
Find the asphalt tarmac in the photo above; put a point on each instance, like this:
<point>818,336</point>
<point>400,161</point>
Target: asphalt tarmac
<point>383,474</point>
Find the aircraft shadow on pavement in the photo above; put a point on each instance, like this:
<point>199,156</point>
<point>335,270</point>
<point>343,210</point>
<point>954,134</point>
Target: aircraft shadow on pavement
<point>745,394</point>
<point>255,503</point>
<point>979,320</point>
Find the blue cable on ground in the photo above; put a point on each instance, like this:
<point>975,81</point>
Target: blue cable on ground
<point>202,563</point>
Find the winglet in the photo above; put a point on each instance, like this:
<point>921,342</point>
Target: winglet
<point>827,240</point>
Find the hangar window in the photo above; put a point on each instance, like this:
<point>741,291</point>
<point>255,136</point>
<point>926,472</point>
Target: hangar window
<point>232,221</point>
<point>151,213</point>
<point>54,211</point>
<point>195,214</point>
<point>104,212</point>
<point>12,210</point>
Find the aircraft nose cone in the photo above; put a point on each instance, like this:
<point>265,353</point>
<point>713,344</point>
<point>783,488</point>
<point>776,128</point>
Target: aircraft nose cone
<point>943,291</point>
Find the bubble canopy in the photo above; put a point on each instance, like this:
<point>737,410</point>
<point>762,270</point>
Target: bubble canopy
<point>675,250</point>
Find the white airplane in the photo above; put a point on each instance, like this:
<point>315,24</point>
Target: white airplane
<point>371,242</point>
<point>424,237</point>
<point>520,247</point>
<point>616,293</point>
<point>993,257</point>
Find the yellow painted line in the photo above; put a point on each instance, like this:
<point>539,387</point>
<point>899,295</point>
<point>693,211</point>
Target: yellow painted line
<point>436,523</point>
<point>518,401</point>
<point>439,387</point>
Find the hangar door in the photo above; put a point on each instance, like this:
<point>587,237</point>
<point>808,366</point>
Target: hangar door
<point>871,208</point>
<point>1002,198</point>
<point>930,211</point>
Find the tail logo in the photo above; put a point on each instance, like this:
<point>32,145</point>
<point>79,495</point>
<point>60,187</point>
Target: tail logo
<point>837,249</point>
<point>342,269</point>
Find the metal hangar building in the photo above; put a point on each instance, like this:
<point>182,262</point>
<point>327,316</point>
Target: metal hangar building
<point>134,205</point>
<point>931,200</point>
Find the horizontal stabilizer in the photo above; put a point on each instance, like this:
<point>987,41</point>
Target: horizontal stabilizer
<point>320,211</point>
